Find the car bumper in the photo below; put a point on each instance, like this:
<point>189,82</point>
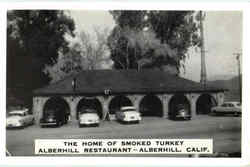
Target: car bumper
<point>183,116</point>
<point>48,123</point>
<point>132,119</point>
<point>14,125</point>
<point>226,112</point>
<point>88,122</point>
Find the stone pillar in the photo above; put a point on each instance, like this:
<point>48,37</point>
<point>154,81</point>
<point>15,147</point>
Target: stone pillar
<point>220,98</point>
<point>105,100</point>
<point>72,102</point>
<point>192,97</point>
<point>38,104</point>
<point>136,101</point>
<point>165,101</point>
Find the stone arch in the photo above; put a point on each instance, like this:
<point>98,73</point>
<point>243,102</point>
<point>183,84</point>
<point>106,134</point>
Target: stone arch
<point>177,100</point>
<point>59,106</point>
<point>117,102</point>
<point>151,105</point>
<point>89,103</point>
<point>204,103</point>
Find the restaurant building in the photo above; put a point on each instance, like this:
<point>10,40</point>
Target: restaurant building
<point>153,92</point>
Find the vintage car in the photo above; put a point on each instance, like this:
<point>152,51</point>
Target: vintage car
<point>231,107</point>
<point>19,118</point>
<point>182,113</point>
<point>88,117</point>
<point>128,114</point>
<point>52,118</point>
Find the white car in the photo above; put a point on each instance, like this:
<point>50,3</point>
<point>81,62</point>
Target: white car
<point>231,107</point>
<point>89,117</point>
<point>19,118</point>
<point>128,114</point>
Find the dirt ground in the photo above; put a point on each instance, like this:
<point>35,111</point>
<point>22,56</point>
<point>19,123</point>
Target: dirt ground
<point>224,130</point>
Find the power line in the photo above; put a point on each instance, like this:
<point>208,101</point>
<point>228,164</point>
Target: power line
<point>203,78</point>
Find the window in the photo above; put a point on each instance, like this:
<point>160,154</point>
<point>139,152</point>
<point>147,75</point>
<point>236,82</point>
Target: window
<point>238,104</point>
<point>224,105</point>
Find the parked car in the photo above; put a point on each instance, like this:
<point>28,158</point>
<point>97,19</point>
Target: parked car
<point>88,117</point>
<point>182,113</point>
<point>231,107</point>
<point>19,118</point>
<point>52,118</point>
<point>128,114</point>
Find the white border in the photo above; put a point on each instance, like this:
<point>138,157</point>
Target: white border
<point>128,161</point>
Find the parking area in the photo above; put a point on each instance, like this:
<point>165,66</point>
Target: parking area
<point>224,130</point>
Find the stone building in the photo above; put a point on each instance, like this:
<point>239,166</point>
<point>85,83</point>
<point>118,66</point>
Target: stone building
<point>152,92</point>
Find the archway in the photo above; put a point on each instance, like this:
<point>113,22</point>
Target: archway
<point>151,105</point>
<point>89,103</point>
<point>117,102</point>
<point>57,106</point>
<point>176,101</point>
<point>204,104</point>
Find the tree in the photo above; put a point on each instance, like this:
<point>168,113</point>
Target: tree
<point>94,48</point>
<point>39,35</point>
<point>88,52</point>
<point>67,64</point>
<point>172,33</point>
<point>134,48</point>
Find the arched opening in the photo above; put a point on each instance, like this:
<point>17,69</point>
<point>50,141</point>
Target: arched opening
<point>58,107</point>
<point>204,104</point>
<point>89,103</point>
<point>117,102</point>
<point>151,105</point>
<point>176,101</point>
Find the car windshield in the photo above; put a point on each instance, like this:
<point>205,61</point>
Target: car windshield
<point>224,105</point>
<point>88,111</point>
<point>51,116</point>
<point>128,110</point>
<point>238,104</point>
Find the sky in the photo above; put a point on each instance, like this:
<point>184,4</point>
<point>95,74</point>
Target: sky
<point>222,38</point>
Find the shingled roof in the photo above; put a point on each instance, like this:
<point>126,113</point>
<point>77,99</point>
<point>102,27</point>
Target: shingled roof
<point>123,81</point>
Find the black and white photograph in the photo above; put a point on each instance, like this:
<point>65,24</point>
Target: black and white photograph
<point>124,74</point>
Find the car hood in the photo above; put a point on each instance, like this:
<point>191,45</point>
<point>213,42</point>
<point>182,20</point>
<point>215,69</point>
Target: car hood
<point>131,113</point>
<point>219,107</point>
<point>50,118</point>
<point>88,116</point>
<point>13,118</point>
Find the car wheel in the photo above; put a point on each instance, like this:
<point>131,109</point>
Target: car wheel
<point>59,124</point>
<point>237,114</point>
<point>32,122</point>
<point>214,113</point>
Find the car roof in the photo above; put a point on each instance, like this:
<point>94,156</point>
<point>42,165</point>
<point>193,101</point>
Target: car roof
<point>232,102</point>
<point>17,112</point>
<point>88,109</point>
<point>127,108</point>
<point>84,113</point>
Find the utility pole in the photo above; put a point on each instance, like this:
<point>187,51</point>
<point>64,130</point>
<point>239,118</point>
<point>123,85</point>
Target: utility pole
<point>238,55</point>
<point>203,78</point>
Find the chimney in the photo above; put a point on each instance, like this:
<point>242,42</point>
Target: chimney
<point>74,84</point>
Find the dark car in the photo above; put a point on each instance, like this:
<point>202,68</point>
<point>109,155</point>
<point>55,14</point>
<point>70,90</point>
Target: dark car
<point>52,118</point>
<point>182,113</point>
